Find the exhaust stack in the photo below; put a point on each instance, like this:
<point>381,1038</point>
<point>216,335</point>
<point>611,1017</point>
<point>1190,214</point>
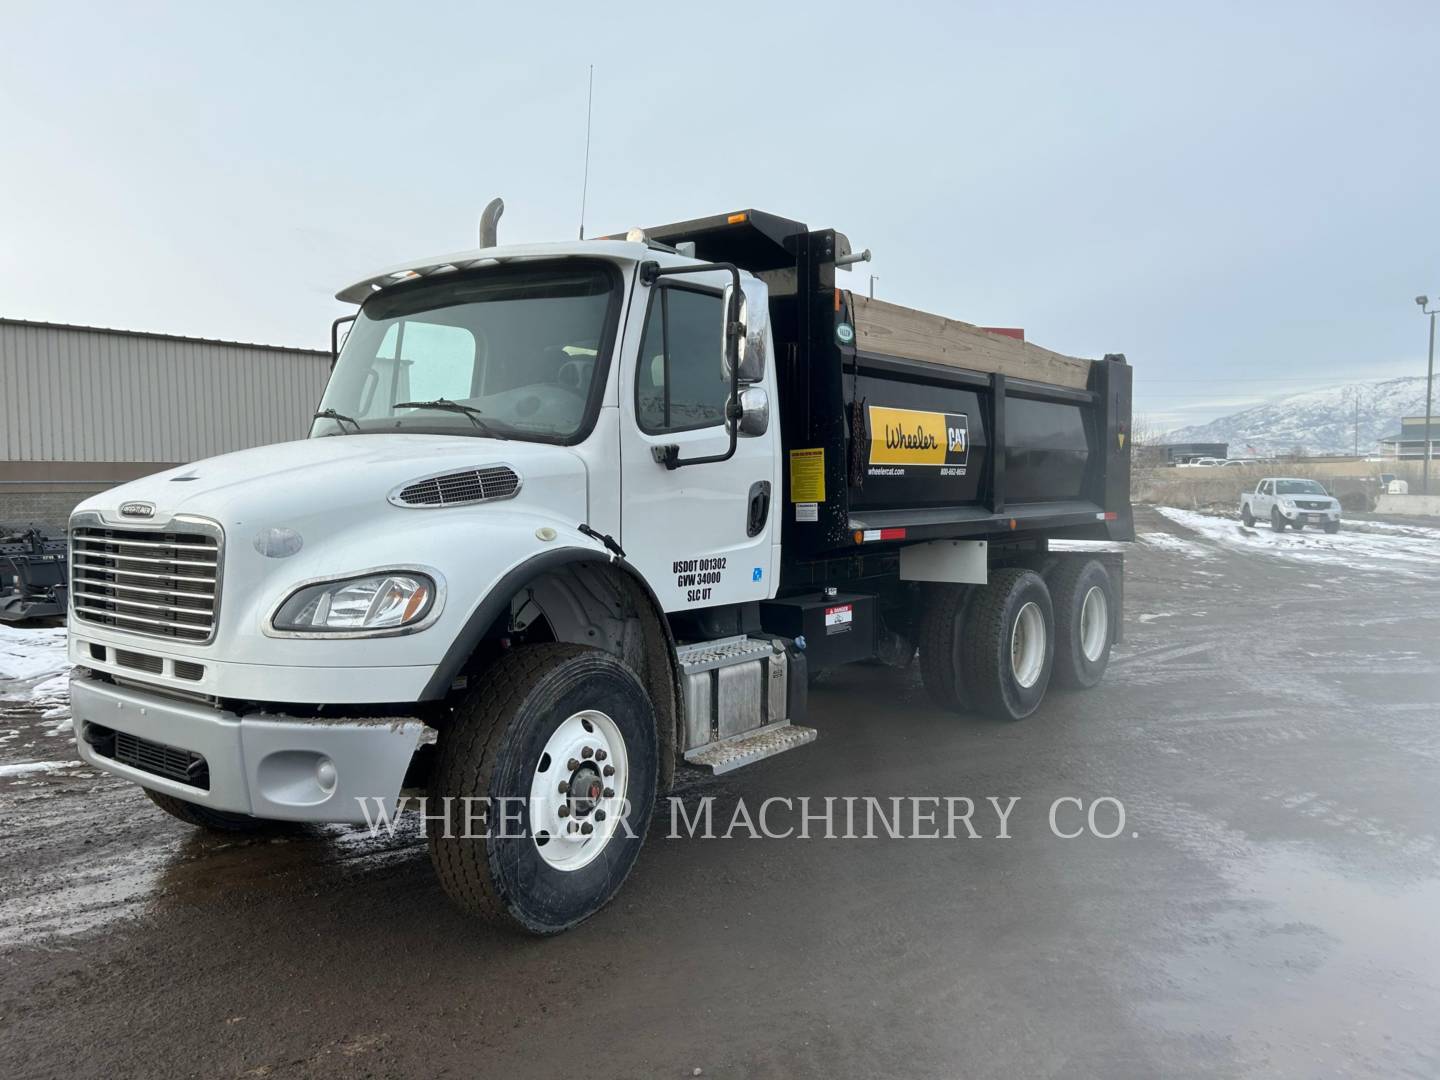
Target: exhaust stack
<point>489,219</point>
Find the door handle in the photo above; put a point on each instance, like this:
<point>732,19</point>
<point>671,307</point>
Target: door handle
<point>758,511</point>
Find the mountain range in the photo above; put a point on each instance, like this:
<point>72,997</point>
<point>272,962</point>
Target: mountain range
<point>1319,421</point>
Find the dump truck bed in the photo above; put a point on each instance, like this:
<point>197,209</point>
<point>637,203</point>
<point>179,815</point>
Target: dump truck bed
<point>900,425</point>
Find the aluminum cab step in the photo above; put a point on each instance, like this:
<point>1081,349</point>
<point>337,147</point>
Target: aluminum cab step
<point>733,753</point>
<point>738,702</point>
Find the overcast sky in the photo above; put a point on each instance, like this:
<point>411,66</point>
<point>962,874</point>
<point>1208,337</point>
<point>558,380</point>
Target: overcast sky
<point>1242,198</point>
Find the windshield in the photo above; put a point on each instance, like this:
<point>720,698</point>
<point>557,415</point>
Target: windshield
<point>1299,487</point>
<point>511,352</point>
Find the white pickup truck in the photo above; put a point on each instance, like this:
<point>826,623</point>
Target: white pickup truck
<point>1289,501</point>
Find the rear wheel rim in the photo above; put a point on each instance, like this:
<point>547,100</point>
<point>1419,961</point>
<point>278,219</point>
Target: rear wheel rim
<point>577,792</point>
<point>1094,623</point>
<point>1027,645</point>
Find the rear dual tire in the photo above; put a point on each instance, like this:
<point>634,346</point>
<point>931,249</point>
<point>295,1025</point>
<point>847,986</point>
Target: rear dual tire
<point>1085,611</point>
<point>995,648</point>
<point>989,648</point>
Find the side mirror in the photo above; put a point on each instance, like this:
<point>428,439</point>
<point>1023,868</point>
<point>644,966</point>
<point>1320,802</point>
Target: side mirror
<point>754,412</point>
<point>751,329</point>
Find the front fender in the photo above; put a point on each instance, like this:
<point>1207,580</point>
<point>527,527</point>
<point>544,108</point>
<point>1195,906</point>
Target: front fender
<point>491,606</point>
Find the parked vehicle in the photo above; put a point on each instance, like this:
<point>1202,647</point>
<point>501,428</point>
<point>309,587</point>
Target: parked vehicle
<point>1288,501</point>
<point>32,573</point>
<point>1240,462</point>
<point>1201,463</point>
<point>571,515</point>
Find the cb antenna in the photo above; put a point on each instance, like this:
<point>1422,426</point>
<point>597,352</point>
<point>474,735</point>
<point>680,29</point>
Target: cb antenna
<point>585,181</point>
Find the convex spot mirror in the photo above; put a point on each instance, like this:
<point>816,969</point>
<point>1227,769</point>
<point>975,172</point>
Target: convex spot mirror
<point>754,411</point>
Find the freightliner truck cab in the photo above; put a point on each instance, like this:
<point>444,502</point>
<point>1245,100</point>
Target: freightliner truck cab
<point>569,515</point>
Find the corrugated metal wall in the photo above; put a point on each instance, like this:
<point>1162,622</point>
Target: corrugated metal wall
<point>78,394</point>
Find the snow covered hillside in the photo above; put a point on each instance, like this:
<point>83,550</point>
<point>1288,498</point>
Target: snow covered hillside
<point>1320,421</point>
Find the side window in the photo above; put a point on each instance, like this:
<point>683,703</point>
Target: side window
<point>679,383</point>
<point>1265,488</point>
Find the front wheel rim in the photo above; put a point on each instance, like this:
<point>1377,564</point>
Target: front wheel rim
<point>578,790</point>
<point>1094,623</point>
<point>1027,645</point>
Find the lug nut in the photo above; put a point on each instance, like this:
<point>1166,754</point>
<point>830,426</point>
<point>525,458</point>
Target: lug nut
<point>609,770</point>
<point>564,810</point>
<point>564,787</point>
<point>572,764</point>
<point>587,753</point>
<point>599,815</point>
<point>600,755</point>
<point>608,793</point>
<point>587,828</point>
<point>574,827</point>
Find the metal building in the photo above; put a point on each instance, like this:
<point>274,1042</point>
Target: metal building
<point>84,408</point>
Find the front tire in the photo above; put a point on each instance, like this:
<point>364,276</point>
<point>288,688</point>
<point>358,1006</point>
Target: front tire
<point>1332,527</point>
<point>1009,644</point>
<point>535,858</point>
<point>1247,517</point>
<point>1276,521</point>
<point>1084,600</point>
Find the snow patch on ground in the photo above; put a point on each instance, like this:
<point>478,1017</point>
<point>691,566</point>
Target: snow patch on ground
<point>30,658</point>
<point>34,678</point>
<point>1178,544</point>
<point>1408,552</point>
<point>23,767</point>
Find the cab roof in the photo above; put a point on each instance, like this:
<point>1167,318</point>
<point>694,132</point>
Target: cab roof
<point>621,251</point>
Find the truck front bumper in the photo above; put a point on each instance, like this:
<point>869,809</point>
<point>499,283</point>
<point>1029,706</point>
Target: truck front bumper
<point>1310,517</point>
<point>263,764</point>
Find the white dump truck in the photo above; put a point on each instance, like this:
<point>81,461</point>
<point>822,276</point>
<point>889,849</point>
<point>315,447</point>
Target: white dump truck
<point>1290,501</point>
<point>571,515</point>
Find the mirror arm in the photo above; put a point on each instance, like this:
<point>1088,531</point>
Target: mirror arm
<point>669,455</point>
<point>335,337</point>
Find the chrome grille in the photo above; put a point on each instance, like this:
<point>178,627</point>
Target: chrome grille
<point>460,488</point>
<point>161,583</point>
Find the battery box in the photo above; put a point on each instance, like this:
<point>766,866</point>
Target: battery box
<point>837,629</point>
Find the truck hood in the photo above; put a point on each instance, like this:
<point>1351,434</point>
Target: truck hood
<point>290,483</point>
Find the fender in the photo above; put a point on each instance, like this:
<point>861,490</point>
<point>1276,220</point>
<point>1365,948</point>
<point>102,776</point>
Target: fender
<point>498,598</point>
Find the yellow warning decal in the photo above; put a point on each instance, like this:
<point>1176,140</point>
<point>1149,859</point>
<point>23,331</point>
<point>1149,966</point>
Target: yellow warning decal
<point>807,475</point>
<point>913,437</point>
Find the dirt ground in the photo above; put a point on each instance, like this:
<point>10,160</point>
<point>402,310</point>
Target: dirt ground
<point>1271,725</point>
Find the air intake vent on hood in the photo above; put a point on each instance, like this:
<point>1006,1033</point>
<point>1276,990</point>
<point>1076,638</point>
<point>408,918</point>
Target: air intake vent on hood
<point>459,488</point>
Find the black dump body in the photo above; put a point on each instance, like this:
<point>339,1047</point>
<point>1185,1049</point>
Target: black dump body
<point>883,449</point>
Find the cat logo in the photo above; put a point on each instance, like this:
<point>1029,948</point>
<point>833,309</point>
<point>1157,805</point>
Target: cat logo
<point>914,437</point>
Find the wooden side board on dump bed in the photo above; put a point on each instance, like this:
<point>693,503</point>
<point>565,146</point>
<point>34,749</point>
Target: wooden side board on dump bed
<point>900,331</point>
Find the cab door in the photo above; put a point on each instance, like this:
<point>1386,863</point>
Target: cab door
<point>702,534</point>
<point>1264,500</point>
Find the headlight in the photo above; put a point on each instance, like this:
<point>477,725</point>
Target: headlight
<point>1289,504</point>
<point>382,601</point>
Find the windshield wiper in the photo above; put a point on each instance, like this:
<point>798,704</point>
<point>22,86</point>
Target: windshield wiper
<point>338,417</point>
<point>446,405</point>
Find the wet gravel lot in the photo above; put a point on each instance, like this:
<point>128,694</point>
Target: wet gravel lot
<point>1271,907</point>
